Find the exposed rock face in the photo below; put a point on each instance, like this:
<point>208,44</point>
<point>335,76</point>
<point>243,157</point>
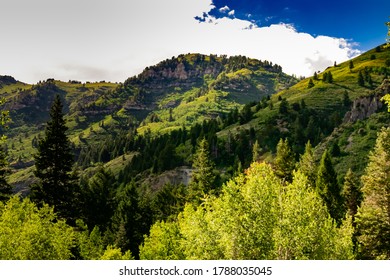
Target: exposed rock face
<point>180,175</point>
<point>364,107</point>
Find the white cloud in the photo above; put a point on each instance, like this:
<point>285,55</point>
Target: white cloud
<point>115,39</point>
<point>231,13</point>
<point>224,9</point>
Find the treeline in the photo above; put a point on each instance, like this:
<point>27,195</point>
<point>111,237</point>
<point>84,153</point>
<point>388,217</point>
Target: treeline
<point>290,208</point>
<point>157,153</point>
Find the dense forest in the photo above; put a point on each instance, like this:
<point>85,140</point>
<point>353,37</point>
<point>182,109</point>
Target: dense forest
<point>199,157</point>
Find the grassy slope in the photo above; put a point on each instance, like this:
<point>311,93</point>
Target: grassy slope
<point>327,98</point>
<point>187,106</point>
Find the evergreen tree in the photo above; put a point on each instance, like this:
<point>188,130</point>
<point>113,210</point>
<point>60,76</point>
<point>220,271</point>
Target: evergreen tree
<point>325,77</point>
<point>315,76</point>
<point>284,160</point>
<point>328,187</point>
<point>360,79</point>
<point>335,150</point>
<point>307,164</point>
<point>351,66</point>
<point>131,219</point>
<point>203,176</point>
<point>329,77</point>
<point>255,151</point>
<point>283,108</point>
<point>311,84</point>
<point>57,185</point>
<point>346,99</point>
<point>5,188</point>
<point>98,198</point>
<point>352,193</point>
<point>373,217</point>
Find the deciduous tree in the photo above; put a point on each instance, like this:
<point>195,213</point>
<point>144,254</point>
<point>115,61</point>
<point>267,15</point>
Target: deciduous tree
<point>373,217</point>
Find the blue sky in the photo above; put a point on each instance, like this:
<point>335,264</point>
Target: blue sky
<point>94,40</point>
<point>357,20</point>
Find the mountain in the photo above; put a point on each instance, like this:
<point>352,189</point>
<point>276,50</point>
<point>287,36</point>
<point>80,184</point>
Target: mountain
<point>188,90</point>
<point>177,92</point>
<point>342,111</point>
<point>139,144</point>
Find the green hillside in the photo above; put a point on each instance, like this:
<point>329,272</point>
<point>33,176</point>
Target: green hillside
<point>193,156</point>
<point>178,92</point>
<point>325,102</point>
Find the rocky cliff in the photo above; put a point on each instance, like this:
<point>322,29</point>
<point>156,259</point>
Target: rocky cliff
<point>364,107</point>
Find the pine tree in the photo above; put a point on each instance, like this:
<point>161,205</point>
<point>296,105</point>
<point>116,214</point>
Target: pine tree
<point>329,77</point>
<point>307,164</point>
<point>310,84</point>
<point>98,198</point>
<point>283,108</point>
<point>284,161</point>
<point>351,66</point>
<point>203,176</point>
<point>373,217</point>
<point>352,193</point>
<point>5,188</point>
<point>346,100</point>
<point>255,151</point>
<point>360,79</point>
<point>328,187</point>
<point>57,184</point>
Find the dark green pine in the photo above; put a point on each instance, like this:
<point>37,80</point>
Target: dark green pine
<point>57,184</point>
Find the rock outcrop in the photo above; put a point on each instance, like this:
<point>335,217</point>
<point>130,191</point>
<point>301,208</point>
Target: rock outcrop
<point>364,107</point>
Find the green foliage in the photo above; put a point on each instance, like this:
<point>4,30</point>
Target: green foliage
<point>29,233</point>
<point>98,198</point>
<point>352,193</point>
<point>307,164</point>
<point>89,244</point>
<point>168,201</point>
<point>112,253</point>
<point>311,84</point>
<point>373,217</point>
<point>328,187</point>
<point>163,243</point>
<point>255,217</point>
<point>255,151</point>
<point>284,160</point>
<point>130,220</point>
<point>5,187</point>
<point>203,172</point>
<point>360,79</point>
<point>351,65</point>
<point>57,184</point>
<point>386,99</point>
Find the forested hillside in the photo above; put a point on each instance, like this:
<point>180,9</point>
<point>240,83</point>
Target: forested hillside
<point>200,157</point>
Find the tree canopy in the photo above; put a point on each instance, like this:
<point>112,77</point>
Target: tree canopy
<point>57,185</point>
<point>255,217</point>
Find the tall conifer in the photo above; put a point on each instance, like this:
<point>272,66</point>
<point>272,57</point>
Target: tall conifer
<point>328,187</point>
<point>352,193</point>
<point>203,176</point>
<point>373,217</point>
<point>5,188</point>
<point>57,184</point>
<point>284,161</point>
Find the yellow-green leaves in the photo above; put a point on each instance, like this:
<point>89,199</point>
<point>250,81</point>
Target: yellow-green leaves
<point>257,216</point>
<point>29,233</point>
